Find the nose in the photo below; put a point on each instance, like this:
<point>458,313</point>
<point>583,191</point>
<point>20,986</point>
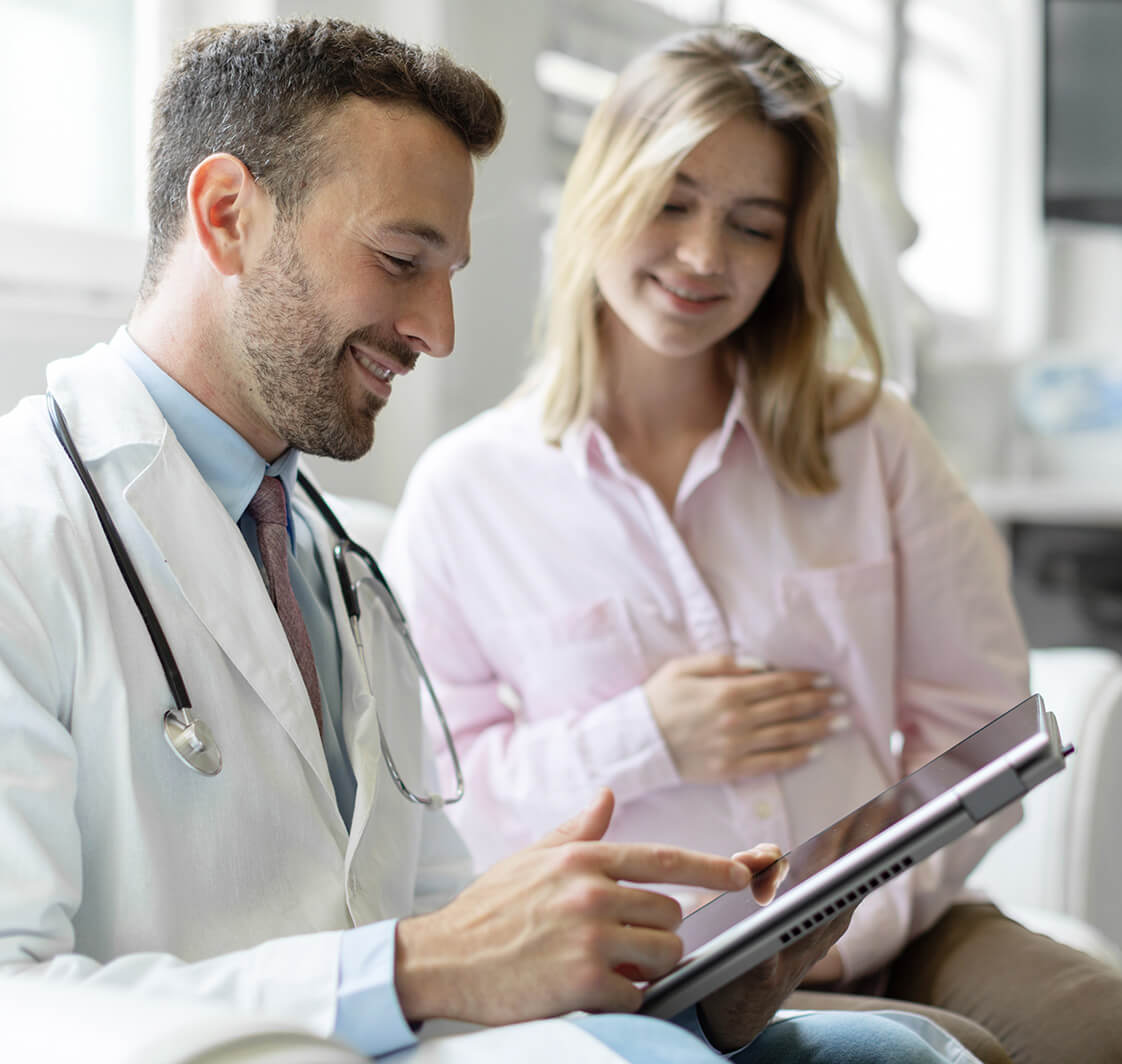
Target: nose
<point>427,322</point>
<point>701,245</point>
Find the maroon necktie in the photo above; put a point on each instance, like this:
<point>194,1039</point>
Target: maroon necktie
<point>268,509</point>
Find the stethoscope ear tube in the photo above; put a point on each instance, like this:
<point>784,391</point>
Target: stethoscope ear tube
<point>397,618</point>
<point>190,739</point>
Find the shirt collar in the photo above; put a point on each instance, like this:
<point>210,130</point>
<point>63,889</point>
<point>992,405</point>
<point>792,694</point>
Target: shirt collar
<point>584,442</point>
<point>226,460</point>
<point>737,413</point>
<point>587,445</point>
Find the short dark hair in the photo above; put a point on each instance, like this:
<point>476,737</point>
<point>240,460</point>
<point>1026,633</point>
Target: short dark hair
<point>261,92</point>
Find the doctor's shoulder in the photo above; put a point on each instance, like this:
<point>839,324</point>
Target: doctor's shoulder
<point>50,577</point>
<point>35,471</point>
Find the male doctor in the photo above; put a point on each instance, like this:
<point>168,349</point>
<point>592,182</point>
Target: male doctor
<point>310,190</point>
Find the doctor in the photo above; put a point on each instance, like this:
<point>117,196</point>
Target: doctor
<point>236,834</point>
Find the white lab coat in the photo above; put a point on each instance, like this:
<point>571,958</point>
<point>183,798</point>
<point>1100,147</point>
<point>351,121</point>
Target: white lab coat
<point>118,864</point>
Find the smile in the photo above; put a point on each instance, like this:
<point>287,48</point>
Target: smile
<point>383,373</point>
<point>689,297</point>
<point>377,370</point>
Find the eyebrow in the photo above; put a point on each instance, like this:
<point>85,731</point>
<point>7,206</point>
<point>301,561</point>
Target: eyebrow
<point>770,202</point>
<point>425,233</point>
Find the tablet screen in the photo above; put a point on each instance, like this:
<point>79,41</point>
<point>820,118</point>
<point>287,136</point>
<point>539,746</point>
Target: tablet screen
<point>890,806</point>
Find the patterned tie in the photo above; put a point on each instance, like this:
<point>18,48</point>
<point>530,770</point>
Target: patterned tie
<point>268,509</point>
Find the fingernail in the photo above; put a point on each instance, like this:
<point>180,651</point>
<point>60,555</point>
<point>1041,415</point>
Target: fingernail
<point>746,661</point>
<point>814,751</point>
<point>838,698</point>
<point>823,679</point>
<point>741,877</point>
<point>840,722</point>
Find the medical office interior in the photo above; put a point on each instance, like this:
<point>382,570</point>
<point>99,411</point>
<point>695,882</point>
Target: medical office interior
<point>982,210</point>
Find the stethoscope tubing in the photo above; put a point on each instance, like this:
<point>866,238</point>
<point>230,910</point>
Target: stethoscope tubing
<point>124,563</point>
<point>190,738</point>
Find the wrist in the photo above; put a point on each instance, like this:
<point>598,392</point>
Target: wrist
<point>421,975</point>
<point>728,1029</point>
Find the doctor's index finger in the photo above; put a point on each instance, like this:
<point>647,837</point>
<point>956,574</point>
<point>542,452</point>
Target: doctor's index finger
<point>658,863</point>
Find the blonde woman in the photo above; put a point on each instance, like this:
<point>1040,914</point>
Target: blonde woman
<point>691,562</point>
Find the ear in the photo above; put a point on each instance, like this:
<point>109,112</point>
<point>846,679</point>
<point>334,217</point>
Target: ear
<point>226,207</point>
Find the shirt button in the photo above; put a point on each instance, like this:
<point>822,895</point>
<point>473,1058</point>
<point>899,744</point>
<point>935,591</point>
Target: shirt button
<point>509,697</point>
<point>763,809</point>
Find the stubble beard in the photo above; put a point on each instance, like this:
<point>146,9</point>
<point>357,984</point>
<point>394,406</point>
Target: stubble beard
<point>298,373</point>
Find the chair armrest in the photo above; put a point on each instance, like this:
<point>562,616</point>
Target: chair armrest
<point>1064,858</point>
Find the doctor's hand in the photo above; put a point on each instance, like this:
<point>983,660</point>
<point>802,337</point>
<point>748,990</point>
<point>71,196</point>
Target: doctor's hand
<point>551,929</point>
<point>722,721</point>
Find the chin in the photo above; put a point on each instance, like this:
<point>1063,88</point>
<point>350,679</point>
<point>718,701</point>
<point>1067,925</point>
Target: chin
<point>681,352</point>
<point>343,443</point>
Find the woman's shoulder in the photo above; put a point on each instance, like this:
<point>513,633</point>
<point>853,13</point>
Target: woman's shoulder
<point>893,443</point>
<point>496,450</point>
<point>891,415</point>
<point>507,427</point>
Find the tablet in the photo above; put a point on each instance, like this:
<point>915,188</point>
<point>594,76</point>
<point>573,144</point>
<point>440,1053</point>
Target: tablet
<point>836,868</point>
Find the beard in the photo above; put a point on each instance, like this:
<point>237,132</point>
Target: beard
<point>298,371</point>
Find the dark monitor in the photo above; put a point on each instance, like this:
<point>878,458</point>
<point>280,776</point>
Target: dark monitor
<point>1083,110</point>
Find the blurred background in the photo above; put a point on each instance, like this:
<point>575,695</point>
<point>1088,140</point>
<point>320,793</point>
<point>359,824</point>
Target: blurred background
<point>982,209</point>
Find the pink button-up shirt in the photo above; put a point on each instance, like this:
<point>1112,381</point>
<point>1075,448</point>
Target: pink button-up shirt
<point>546,584</point>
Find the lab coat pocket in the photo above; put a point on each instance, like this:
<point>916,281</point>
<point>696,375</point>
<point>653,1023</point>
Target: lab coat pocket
<point>572,659</point>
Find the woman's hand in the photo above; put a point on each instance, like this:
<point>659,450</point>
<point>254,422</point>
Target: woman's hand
<point>722,721</point>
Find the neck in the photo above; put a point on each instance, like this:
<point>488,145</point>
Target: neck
<point>651,400</point>
<point>178,327</point>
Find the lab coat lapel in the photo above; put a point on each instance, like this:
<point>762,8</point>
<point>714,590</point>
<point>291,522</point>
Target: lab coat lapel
<point>225,590</point>
<point>111,414</point>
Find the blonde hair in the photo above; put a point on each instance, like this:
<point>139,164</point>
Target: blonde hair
<point>664,103</point>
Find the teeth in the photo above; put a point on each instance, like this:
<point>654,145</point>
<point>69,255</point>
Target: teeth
<point>691,296</point>
<point>380,372</point>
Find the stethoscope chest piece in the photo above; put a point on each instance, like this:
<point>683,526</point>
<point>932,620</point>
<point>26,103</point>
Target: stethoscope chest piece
<point>193,744</point>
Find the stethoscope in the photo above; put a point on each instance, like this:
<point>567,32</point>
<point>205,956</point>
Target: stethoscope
<point>193,742</point>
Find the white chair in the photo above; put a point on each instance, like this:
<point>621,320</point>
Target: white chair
<point>1059,871</point>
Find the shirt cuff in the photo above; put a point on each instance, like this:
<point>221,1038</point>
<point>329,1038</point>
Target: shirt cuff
<point>632,750</point>
<point>368,1016</point>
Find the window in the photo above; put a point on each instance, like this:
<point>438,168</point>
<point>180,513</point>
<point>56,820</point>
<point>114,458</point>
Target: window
<point>76,81</point>
<point>950,167</point>
<point>66,92</point>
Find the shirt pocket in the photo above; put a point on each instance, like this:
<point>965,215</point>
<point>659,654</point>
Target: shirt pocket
<point>834,617</point>
<point>571,659</point>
